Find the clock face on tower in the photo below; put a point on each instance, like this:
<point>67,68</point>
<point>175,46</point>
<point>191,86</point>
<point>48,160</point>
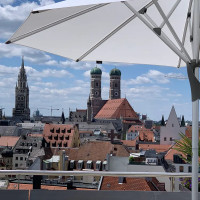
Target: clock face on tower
<point>116,93</point>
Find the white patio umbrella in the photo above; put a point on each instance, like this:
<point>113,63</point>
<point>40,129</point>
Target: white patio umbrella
<point>156,32</point>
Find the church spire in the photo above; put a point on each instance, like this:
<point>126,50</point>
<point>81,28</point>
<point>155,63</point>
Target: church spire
<point>21,109</point>
<point>22,66</point>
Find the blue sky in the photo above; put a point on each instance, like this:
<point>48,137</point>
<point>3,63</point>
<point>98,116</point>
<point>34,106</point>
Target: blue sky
<point>63,84</point>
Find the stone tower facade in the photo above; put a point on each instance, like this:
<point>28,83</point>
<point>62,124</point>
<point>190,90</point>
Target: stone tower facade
<point>95,92</point>
<point>115,84</point>
<point>95,88</point>
<point>21,110</point>
<point>89,111</point>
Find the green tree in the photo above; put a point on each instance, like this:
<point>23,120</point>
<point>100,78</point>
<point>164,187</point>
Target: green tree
<point>184,146</point>
<point>183,121</point>
<point>162,121</point>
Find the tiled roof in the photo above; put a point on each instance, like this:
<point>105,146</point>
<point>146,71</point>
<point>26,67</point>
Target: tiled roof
<point>136,128</point>
<point>8,141</point>
<point>35,135</point>
<point>59,134</point>
<point>130,143</point>
<point>14,186</point>
<point>94,150</point>
<point>97,150</point>
<point>146,136</point>
<point>134,184</point>
<point>170,154</point>
<point>157,147</point>
<point>115,109</point>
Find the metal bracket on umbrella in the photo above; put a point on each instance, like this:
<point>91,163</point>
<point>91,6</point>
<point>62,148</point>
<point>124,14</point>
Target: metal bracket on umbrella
<point>194,82</point>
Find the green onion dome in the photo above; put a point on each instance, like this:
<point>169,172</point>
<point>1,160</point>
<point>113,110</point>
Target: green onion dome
<point>115,72</point>
<point>96,70</point>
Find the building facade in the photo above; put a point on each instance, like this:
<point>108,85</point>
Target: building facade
<point>172,130</point>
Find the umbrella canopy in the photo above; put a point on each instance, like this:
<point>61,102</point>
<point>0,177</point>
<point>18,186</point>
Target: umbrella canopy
<point>110,30</point>
<point>157,32</point>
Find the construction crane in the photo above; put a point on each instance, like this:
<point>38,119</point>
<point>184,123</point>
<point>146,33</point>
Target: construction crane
<point>176,77</point>
<point>51,109</point>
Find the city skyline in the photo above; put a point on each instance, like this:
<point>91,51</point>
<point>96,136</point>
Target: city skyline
<point>62,83</point>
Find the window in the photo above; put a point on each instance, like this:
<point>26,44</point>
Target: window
<point>72,164</point>
<point>181,168</point>
<point>97,84</point>
<point>104,165</point>
<point>89,164</point>
<point>190,169</point>
<point>116,85</point>
<point>165,139</point>
<point>172,125</point>
<point>16,165</point>
<point>170,139</point>
<point>16,158</point>
<point>67,138</point>
<point>21,158</point>
<point>80,164</point>
<point>98,165</point>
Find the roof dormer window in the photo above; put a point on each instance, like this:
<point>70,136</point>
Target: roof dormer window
<point>89,164</point>
<point>80,164</point>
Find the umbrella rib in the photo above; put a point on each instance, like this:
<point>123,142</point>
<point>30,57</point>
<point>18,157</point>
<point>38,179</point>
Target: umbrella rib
<point>110,34</point>
<point>170,13</point>
<point>82,12</point>
<point>171,29</point>
<point>166,40</point>
<point>187,23</point>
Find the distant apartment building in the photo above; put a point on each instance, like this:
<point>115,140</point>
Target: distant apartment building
<point>26,151</point>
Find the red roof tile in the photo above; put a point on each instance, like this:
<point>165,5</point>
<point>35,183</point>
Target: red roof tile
<point>130,143</point>
<point>157,147</point>
<point>8,141</point>
<point>94,150</point>
<point>115,109</point>
<point>14,186</point>
<point>134,184</point>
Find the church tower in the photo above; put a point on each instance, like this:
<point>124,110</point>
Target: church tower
<point>115,84</point>
<point>21,110</point>
<point>95,91</point>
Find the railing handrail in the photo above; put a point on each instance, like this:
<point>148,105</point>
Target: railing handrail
<point>94,173</point>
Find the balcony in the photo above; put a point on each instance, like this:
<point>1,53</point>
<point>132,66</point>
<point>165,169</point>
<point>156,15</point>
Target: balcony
<point>90,194</point>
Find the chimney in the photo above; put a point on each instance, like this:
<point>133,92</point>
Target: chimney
<point>70,185</point>
<point>112,136</point>
<point>37,181</point>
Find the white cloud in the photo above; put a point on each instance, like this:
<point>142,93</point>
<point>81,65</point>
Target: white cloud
<point>138,80</point>
<point>46,2</point>
<point>76,65</point>
<point>32,55</point>
<point>157,76</point>
<point>13,16</point>
<point>6,2</point>
<point>153,76</point>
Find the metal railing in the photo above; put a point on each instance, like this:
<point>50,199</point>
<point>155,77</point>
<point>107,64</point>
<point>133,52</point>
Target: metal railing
<point>95,173</point>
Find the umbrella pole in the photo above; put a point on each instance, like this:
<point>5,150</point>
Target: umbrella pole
<point>195,103</point>
<point>195,139</point>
